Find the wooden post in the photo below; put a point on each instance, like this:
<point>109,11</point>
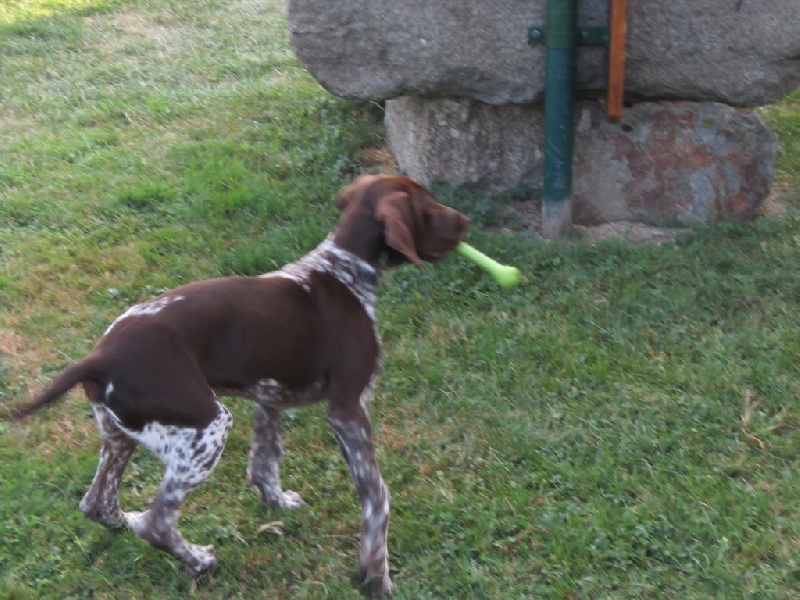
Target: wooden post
<point>618,29</point>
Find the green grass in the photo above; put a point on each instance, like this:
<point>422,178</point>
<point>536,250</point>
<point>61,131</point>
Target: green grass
<point>623,424</point>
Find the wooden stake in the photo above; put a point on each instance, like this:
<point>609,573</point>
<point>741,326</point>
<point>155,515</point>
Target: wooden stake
<point>618,30</point>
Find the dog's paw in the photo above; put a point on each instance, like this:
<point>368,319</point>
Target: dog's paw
<point>200,559</point>
<point>112,519</point>
<point>274,497</point>
<point>378,585</point>
<point>134,519</point>
<point>291,499</point>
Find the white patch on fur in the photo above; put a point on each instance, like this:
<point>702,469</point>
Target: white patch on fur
<point>356,274</point>
<point>375,499</point>
<point>189,454</point>
<point>150,307</point>
<point>366,394</point>
<point>271,393</point>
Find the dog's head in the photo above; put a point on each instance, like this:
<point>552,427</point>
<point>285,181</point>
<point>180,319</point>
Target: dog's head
<point>408,222</point>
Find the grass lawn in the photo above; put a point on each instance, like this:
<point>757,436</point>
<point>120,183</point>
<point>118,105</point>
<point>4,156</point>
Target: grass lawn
<point>623,424</point>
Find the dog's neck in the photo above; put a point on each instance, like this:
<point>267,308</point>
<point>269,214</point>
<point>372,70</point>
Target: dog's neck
<point>355,273</point>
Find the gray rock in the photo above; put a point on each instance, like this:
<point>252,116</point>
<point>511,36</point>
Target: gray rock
<point>465,142</point>
<point>664,163</point>
<point>742,52</point>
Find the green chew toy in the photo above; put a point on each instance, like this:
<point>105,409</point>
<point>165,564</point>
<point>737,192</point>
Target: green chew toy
<point>504,275</point>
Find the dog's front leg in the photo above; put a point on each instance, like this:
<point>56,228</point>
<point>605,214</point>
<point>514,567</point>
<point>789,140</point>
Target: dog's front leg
<point>352,431</point>
<point>266,452</point>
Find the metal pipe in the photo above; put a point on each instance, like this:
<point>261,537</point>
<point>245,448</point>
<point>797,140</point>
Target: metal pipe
<point>561,42</point>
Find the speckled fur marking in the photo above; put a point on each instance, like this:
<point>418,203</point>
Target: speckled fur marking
<point>266,452</point>
<point>101,503</point>
<point>189,455</point>
<point>355,440</point>
<point>357,275</point>
<point>268,392</point>
<point>353,435</point>
<point>150,307</point>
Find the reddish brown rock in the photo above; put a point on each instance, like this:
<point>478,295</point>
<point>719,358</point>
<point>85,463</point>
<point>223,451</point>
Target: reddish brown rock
<point>669,163</point>
<point>664,163</point>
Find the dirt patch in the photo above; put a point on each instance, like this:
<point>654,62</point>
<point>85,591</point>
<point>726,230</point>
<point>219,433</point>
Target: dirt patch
<point>19,362</point>
<point>526,216</point>
<point>18,355</point>
<point>774,206</point>
<point>10,119</point>
<point>630,231</point>
<point>378,160</point>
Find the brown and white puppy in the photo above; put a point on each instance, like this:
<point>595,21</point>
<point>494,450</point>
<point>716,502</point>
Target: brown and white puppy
<point>284,339</point>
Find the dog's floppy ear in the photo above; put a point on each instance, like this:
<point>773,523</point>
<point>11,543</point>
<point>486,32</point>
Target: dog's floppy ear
<point>344,198</point>
<point>395,212</point>
<point>356,188</point>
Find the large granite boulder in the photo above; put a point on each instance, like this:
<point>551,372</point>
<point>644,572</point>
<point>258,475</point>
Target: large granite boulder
<point>664,163</point>
<point>740,52</point>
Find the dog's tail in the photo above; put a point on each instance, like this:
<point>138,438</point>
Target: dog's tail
<point>87,369</point>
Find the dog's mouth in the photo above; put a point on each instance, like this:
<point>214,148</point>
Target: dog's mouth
<point>445,230</point>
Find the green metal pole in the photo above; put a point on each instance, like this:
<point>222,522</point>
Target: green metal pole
<point>561,41</point>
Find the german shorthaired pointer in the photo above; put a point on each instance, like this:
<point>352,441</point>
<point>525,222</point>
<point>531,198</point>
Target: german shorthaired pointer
<point>283,339</point>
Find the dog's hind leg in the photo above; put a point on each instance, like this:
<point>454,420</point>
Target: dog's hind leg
<point>266,453</point>
<point>101,502</point>
<point>189,455</point>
